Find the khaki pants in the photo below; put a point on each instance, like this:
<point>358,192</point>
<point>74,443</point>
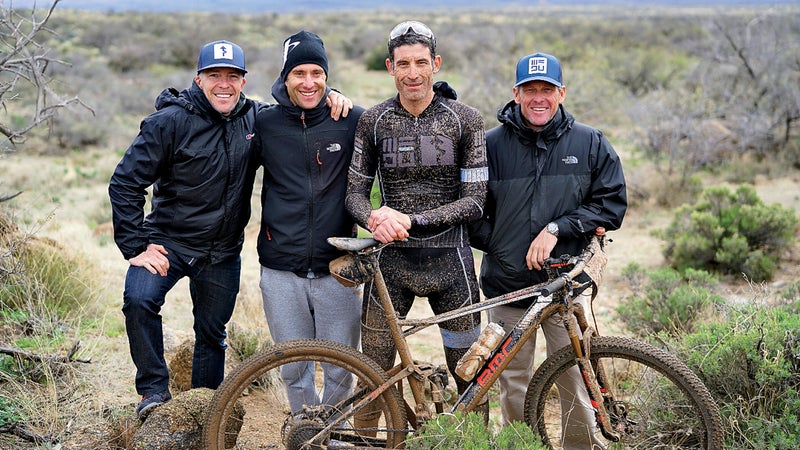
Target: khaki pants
<point>577,412</point>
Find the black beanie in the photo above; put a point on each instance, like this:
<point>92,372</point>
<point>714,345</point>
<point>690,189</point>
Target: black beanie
<point>303,47</point>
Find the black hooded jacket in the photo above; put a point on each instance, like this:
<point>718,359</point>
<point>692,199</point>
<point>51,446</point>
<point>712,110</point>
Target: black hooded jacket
<point>201,167</point>
<point>567,173</point>
<point>306,156</point>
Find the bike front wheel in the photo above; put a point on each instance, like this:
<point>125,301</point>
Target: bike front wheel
<point>334,378</point>
<point>654,400</point>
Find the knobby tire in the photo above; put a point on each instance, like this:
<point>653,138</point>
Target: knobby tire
<point>258,378</point>
<point>661,403</point>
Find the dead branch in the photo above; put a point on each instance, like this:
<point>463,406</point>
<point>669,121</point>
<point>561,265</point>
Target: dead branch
<point>69,358</point>
<point>7,197</point>
<point>27,61</point>
<point>22,433</point>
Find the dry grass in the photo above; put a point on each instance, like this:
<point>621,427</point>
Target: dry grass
<point>79,223</point>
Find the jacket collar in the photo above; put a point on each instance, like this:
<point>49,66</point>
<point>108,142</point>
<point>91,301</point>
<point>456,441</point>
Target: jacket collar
<point>510,115</point>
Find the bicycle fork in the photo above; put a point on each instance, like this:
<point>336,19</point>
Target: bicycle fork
<point>599,393</point>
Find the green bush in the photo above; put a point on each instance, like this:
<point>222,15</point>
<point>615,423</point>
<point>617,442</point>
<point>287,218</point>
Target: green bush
<point>751,364</point>
<point>791,293</point>
<point>46,272</point>
<point>376,58</point>
<point>245,342</point>
<point>665,300</point>
<point>9,413</point>
<point>729,232</point>
<point>48,287</point>
<point>468,432</point>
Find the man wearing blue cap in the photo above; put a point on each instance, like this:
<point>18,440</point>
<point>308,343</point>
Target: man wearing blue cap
<point>552,182</point>
<point>195,153</point>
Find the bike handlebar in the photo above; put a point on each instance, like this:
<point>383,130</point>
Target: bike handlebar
<point>554,286</point>
<point>579,264</point>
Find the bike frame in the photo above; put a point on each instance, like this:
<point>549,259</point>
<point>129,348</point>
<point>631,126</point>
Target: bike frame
<point>578,329</point>
<point>575,323</point>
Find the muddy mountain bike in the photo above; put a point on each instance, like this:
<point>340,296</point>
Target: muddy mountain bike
<point>640,396</point>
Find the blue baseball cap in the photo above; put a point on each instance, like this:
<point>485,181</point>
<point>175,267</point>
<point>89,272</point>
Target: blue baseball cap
<point>221,54</point>
<point>539,66</point>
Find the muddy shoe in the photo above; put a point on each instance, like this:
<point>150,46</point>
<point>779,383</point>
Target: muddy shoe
<point>149,402</point>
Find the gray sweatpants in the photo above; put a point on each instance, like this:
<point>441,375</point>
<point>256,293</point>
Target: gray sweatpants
<point>577,413</point>
<point>311,308</point>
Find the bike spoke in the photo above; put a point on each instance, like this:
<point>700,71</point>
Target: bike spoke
<point>657,402</point>
<point>325,382</point>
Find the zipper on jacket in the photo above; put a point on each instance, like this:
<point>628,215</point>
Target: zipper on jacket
<point>310,221</point>
<point>226,132</point>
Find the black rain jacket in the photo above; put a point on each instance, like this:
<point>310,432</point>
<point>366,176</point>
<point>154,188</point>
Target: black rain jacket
<point>306,156</point>
<point>201,167</point>
<point>567,173</point>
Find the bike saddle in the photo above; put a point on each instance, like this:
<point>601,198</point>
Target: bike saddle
<point>352,244</point>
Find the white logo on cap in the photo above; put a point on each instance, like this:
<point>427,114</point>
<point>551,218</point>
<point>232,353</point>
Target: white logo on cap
<point>537,65</point>
<point>223,51</point>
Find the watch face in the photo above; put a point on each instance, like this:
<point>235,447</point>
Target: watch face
<point>552,228</point>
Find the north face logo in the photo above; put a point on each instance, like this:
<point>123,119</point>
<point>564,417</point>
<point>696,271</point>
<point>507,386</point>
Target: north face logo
<point>335,147</point>
<point>570,160</point>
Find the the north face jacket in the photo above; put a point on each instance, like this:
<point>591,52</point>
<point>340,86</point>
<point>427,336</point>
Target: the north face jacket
<point>201,168</point>
<point>306,156</point>
<point>567,173</point>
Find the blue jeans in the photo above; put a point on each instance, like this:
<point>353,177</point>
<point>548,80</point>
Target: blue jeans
<point>213,288</point>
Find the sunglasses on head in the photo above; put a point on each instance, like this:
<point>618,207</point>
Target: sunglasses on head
<point>408,26</point>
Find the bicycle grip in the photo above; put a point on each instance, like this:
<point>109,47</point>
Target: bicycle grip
<point>557,284</point>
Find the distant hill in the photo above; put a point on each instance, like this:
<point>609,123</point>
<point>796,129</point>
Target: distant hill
<point>284,6</point>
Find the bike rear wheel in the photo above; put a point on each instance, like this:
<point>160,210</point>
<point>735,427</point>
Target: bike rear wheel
<point>268,421</point>
<point>658,402</point>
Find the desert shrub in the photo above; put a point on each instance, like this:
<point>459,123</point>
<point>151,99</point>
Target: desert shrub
<point>665,300</point>
<point>673,191</point>
<point>49,291</point>
<point>468,432</point>
<point>376,58</point>
<point>9,412</point>
<point>751,364</point>
<point>791,293</point>
<point>245,342</point>
<point>77,133</point>
<point>517,435</point>
<point>729,232</point>
<point>48,281</point>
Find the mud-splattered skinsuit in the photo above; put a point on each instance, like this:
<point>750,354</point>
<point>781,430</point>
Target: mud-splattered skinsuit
<point>432,167</point>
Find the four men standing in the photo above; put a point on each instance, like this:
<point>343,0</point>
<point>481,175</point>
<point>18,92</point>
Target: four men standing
<point>551,182</point>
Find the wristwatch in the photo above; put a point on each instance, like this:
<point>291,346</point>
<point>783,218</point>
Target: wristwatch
<point>552,228</point>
